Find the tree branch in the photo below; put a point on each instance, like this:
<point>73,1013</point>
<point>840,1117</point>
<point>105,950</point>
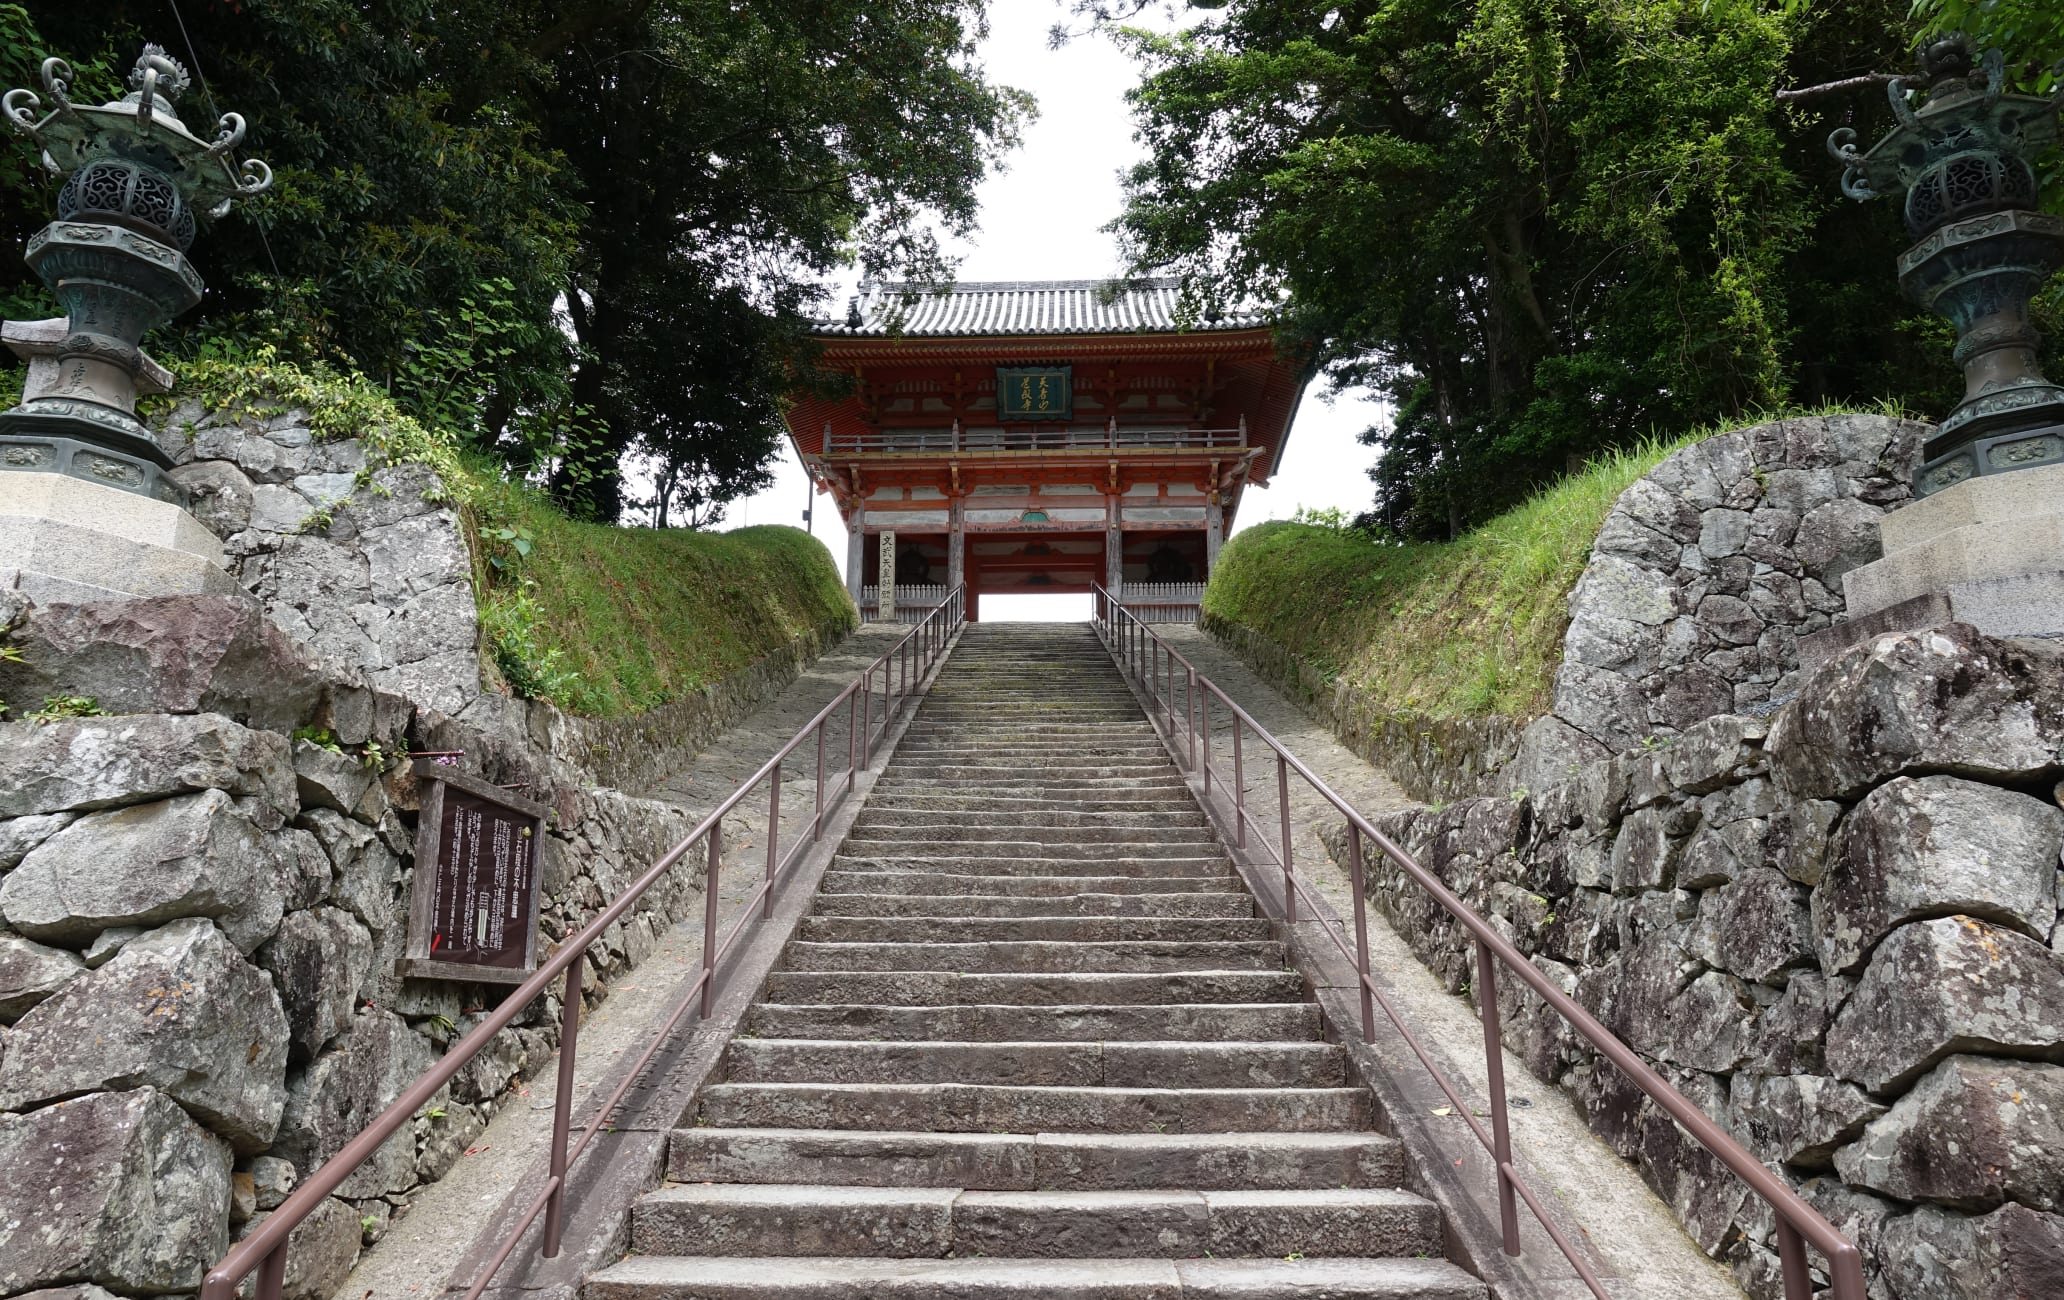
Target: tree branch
<point>1836,87</point>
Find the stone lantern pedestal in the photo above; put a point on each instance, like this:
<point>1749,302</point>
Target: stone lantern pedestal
<point>87,510</point>
<point>1988,551</point>
<point>70,530</point>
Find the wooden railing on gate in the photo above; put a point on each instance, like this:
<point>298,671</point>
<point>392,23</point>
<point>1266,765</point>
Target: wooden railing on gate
<point>1181,704</point>
<point>894,679</point>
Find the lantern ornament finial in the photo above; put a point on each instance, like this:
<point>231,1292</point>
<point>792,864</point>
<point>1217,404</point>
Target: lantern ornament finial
<point>1965,160</point>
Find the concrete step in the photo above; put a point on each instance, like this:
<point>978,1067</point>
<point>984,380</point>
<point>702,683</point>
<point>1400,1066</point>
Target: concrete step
<point>1034,929</point>
<point>1028,1162</point>
<point>1130,956</point>
<point>911,988</point>
<point>1196,1022</point>
<point>1099,903</point>
<point>1058,1065</point>
<point>989,1108</point>
<point>1203,866</point>
<point>935,1222</point>
<point>669,1277</point>
<point>1191,880</point>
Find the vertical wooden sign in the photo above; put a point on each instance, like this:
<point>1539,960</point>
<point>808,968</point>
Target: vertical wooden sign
<point>473,906</point>
<point>887,612</point>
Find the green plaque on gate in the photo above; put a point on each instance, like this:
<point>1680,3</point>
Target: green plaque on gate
<point>1046,393</point>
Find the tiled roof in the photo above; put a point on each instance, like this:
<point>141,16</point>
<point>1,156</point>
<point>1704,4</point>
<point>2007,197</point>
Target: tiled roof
<point>1024,307</point>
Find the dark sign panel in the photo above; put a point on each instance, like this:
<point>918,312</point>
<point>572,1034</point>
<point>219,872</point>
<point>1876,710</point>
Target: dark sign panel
<point>1047,393</point>
<point>473,911</point>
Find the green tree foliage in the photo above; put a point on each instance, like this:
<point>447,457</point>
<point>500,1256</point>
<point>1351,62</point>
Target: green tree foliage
<point>2029,32</point>
<point>1543,228</point>
<point>575,229</point>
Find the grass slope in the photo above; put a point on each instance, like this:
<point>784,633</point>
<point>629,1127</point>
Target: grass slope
<point>1447,629</point>
<point>608,621</point>
<point>599,620</point>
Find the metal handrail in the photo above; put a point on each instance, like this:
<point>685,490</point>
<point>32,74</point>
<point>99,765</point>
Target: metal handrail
<point>894,676</point>
<point>1152,663</point>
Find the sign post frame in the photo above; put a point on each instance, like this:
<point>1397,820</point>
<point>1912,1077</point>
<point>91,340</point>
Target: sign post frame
<point>419,960</point>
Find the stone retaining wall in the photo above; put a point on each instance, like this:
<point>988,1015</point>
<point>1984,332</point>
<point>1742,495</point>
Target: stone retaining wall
<point>1836,930</point>
<point>1706,572</point>
<point>202,909</point>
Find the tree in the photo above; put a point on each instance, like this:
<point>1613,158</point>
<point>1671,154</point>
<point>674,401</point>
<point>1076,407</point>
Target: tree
<point>574,228</point>
<point>1540,229</point>
<point>729,156</point>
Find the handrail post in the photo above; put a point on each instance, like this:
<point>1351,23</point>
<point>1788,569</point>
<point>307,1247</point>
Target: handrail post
<point>817,830</point>
<point>1189,709</point>
<point>1494,1062</point>
<point>272,1274</point>
<point>709,916</point>
<point>773,838</point>
<point>1361,927</point>
<point>1205,714</point>
<point>1239,789</point>
<point>1791,1255</point>
<point>1283,822</point>
<point>562,1106</point>
<point>866,718</point>
<point>852,741</point>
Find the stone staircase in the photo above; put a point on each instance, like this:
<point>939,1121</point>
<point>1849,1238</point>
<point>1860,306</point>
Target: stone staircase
<point>1033,1041</point>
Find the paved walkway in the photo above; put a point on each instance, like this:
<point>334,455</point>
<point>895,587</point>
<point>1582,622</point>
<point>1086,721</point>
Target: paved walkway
<point>419,1251</point>
<point>1626,1224</point>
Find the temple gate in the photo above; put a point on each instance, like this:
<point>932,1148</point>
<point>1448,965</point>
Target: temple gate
<point>1042,437</point>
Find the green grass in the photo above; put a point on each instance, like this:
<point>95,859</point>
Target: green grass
<point>608,621</point>
<point>1448,629</point>
<point>599,620</point>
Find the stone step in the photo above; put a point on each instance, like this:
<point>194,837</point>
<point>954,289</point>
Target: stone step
<point>1028,1162</point>
<point>989,1108</point>
<point>1221,1022</point>
<point>1068,1065</point>
<point>911,988</point>
<point>935,1222</point>
<point>1145,868</point>
<point>1035,929</point>
<point>1078,845</point>
<point>1135,803</point>
<point>1040,767</point>
<point>1126,956</point>
<point>1036,731</point>
<point>1101,903</point>
<point>963,821</point>
<point>1065,749</point>
<point>933,884</point>
<point>1033,840</point>
<point>1041,788</point>
<point>670,1277</point>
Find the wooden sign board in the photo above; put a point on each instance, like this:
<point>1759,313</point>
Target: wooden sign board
<point>1047,393</point>
<point>474,907</point>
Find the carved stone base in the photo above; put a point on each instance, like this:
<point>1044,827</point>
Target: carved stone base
<point>65,540</point>
<point>1986,551</point>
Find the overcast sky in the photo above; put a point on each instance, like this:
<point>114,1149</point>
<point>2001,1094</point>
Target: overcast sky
<point>1081,142</point>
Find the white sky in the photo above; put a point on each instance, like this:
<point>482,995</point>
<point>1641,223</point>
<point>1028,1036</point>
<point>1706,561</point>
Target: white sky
<point>1081,142</point>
